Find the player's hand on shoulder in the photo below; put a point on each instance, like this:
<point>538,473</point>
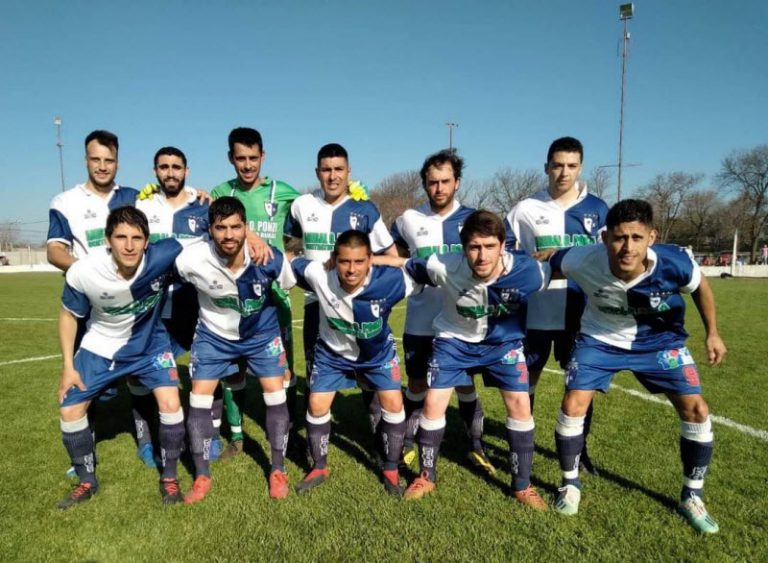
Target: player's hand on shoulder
<point>149,191</point>
<point>69,378</point>
<point>716,349</point>
<point>258,249</point>
<point>204,197</point>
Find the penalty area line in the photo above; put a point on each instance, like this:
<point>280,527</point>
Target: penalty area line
<point>661,400</point>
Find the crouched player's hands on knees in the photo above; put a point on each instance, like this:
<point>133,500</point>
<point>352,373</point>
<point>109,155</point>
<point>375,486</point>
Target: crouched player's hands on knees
<point>69,378</point>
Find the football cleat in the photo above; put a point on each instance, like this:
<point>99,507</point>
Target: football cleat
<point>420,487</point>
<point>146,454</point>
<point>200,488</point>
<point>479,460</point>
<point>391,480</point>
<point>278,484</point>
<point>568,499</point>
<point>169,489</point>
<point>81,493</point>
<point>530,497</point>
<point>71,472</point>
<point>694,511</point>
<point>234,448</point>
<point>313,479</point>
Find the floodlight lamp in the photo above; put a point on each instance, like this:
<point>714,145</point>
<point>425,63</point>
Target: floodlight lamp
<point>626,11</point>
<point>57,120</point>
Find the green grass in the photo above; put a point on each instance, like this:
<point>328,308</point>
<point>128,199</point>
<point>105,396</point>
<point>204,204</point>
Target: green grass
<point>627,514</point>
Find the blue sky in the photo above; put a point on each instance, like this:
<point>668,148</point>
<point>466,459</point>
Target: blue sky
<point>382,78</point>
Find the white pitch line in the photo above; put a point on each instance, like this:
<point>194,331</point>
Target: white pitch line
<point>25,360</point>
<point>25,319</point>
<point>743,428</point>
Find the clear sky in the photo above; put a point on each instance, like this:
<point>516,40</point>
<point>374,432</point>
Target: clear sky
<point>381,78</point>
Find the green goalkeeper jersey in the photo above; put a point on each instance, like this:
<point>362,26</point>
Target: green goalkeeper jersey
<point>266,206</point>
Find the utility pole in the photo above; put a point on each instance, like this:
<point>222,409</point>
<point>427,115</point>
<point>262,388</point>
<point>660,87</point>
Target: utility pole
<point>626,12</point>
<point>451,127</point>
<point>60,144</point>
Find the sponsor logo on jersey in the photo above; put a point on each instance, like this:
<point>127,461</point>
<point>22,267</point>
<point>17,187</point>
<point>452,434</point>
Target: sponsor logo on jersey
<point>105,295</point>
<point>422,232</point>
<point>137,307</point>
<point>164,360</point>
<point>319,241</point>
<point>545,242</point>
<point>89,214</point>
<point>215,285</point>
<point>675,358</point>
<point>425,251</point>
<point>541,220</point>
<point>312,218</point>
<point>363,330</point>
<point>275,348</point>
<point>271,208</point>
<point>246,307</point>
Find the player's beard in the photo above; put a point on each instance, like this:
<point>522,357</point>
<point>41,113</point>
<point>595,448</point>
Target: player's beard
<point>173,190</point>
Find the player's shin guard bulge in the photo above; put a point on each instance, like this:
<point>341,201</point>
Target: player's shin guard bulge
<point>200,428</point>
<point>696,447</point>
<point>569,440</point>
<point>318,435</point>
<point>430,437</point>
<point>392,429</point>
<point>521,446</point>
<point>171,435</point>
<point>277,422</point>
<point>78,441</point>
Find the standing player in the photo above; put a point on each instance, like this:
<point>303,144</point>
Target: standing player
<point>318,221</point>
<point>433,228</point>
<point>267,203</point>
<point>355,345</point>
<point>479,329</point>
<point>634,320</point>
<point>238,319</point>
<point>122,292</point>
<point>560,216</point>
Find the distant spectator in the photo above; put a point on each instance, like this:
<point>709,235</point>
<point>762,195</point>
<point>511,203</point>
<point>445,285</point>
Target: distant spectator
<point>764,254</point>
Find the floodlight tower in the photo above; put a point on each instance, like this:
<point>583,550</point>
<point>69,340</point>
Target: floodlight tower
<point>60,144</point>
<point>626,12</point>
<point>451,126</point>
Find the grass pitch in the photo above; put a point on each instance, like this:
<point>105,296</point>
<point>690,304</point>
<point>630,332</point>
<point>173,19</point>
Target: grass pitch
<point>626,514</point>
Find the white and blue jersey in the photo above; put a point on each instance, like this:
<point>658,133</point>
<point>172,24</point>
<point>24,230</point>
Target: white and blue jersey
<point>189,220</point>
<point>424,233</point>
<point>124,314</point>
<point>477,312</point>
<point>78,217</point>
<point>645,314</point>
<point>540,223</point>
<point>354,325</point>
<point>234,305</point>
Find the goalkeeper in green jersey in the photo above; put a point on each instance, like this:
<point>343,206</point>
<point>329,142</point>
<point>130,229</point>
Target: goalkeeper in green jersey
<point>266,202</point>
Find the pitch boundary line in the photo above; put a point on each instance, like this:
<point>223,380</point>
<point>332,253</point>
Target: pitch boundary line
<point>25,360</point>
<point>26,319</point>
<point>725,421</point>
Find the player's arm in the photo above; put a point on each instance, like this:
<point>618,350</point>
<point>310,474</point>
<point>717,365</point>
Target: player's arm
<point>58,255</point>
<point>67,332</point>
<point>258,249</point>
<point>391,251</point>
<point>704,300</point>
<point>387,259</point>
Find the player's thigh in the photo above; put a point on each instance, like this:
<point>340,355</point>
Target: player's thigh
<point>266,356</point>
<point>436,402</point>
<point>271,384</point>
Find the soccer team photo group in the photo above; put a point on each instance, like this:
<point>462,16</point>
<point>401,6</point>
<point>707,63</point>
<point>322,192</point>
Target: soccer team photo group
<point>152,275</point>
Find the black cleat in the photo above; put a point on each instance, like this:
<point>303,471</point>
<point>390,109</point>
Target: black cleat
<point>81,493</point>
<point>169,488</point>
<point>313,479</point>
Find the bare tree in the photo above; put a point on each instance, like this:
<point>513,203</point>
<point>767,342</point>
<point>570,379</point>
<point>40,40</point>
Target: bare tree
<point>507,187</point>
<point>746,172</point>
<point>9,235</point>
<point>700,208</point>
<point>396,193</point>
<point>667,193</point>
<point>599,182</point>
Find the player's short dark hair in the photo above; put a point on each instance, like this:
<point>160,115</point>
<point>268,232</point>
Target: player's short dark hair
<point>225,207</point>
<point>245,136</point>
<point>629,210</point>
<point>438,159</point>
<point>354,239</point>
<point>129,215</point>
<point>102,137</point>
<point>483,223</point>
<point>566,144</point>
<point>170,151</point>
<point>332,150</point>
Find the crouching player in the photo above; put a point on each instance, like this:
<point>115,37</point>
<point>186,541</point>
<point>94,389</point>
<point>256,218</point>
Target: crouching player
<point>122,290</point>
<point>238,319</point>
<point>480,328</point>
<point>355,345</point>
<point>634,320</point>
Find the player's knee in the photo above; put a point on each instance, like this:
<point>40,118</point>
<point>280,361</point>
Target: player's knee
<point>391,401</point>
<point>73,412</point>
<point>693,409</point>
<point>575,404</point>
<point>318,406</point>
<point>168,402</point>
<point>518,405</point>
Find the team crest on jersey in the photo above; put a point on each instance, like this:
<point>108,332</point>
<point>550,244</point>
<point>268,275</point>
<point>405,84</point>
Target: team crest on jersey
<point>675,358</point>
<point>192,224</point>
<point>589,221</point>
<point>355,221</point>
<point>656,300</point>
<point>376,306</point>
<point>257,289</point>
<point>509,295</point>
<point>271,208</point>
<point>156,284</point>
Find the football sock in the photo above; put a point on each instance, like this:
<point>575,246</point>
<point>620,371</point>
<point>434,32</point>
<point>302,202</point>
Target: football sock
<point>217,411</point>
<point>696,447</point>
<point>200,428</point>
<point>143,407</point>
<point>520,439</point>
<point>290,394</point>
<point>372,405</point>
<point>429,437</point>
<point>78,440</point>
<point>318,436</point>
<point>277,422</point>
<point>234,393</point>
<point>414,403</point>
<point>471,412</point>
<point>569,440</point>
<point>171,436</point>
<point>392,430</point>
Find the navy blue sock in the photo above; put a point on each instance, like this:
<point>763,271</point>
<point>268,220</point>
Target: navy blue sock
<point>430,436</point>
<point>696,448</point>
<point>143,407</point>
<point>414,403</point>
<point>318,436</point>
<point>277,422</point>
<point>200,428</point>
<point>569,440</point>
<point>78,441</point>
<point>171,436</point>
<point>392,428</point>
<point>520,439</point>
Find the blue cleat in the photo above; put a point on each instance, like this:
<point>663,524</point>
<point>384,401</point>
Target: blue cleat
<point>146,454</point>
<point>694,511</point>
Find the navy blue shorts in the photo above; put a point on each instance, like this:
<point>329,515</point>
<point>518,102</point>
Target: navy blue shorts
<point>594,363</point>
<point>332,372</point>
<point>418,351</point>
<point>156,369</point>
<point>501,365</point>
<point>538,344</point>
<point>214,357</point>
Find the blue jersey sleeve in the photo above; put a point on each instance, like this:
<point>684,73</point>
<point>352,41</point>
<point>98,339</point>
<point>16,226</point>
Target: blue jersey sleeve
<point>511,240</point>
<point>58,226</point>
<point>396,236</point>
<point>75,301</point>
<point>273,268</point>
<point>299,267</point>
<point>417,269</point>
<point>291,226</point>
